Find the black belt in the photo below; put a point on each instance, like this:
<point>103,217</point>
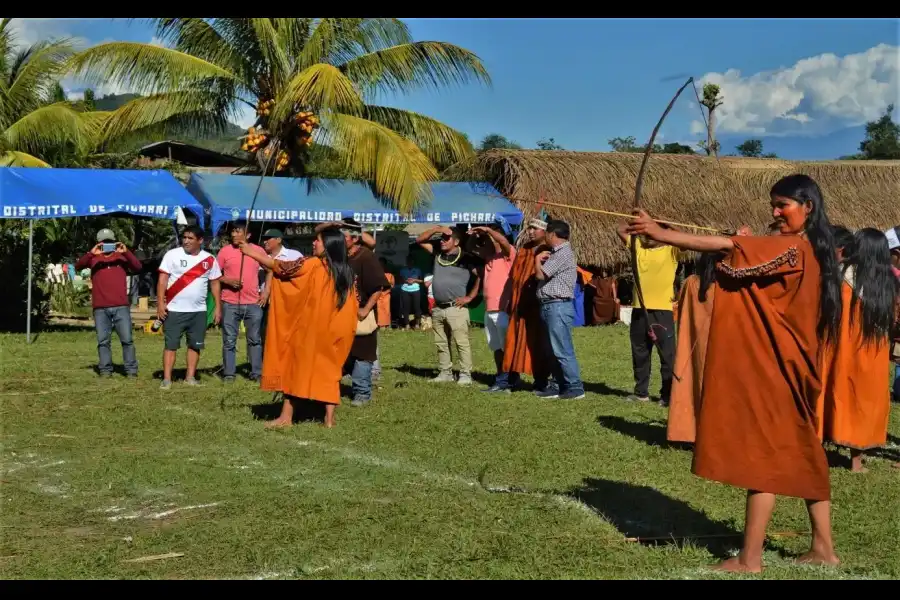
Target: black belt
<point>444,304</point>
<point>552,300</point>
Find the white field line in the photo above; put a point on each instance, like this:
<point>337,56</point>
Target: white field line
<point>158,515</point>
<point>396,465</point>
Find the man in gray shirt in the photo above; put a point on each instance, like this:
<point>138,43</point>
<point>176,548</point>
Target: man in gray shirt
<point>556,273</point>
<point>450,318</point>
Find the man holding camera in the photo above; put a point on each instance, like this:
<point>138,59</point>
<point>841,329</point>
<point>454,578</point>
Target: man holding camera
<point>110,262</point>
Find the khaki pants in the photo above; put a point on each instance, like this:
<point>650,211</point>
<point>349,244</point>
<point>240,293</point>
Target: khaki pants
<point>452,323</point>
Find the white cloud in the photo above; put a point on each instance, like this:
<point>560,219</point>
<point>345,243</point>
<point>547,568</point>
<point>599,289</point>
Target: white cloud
<point>29,31</point>
<point>816,95</point>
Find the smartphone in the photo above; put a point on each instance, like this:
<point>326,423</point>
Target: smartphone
<point>109,247</point>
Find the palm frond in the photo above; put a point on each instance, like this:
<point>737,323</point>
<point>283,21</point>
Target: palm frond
<point>293,35</point>
<point>201,110</point>
<point>20,159</point>
<point>279,66</point>
<point>33,73</point>
<point>395,167</point>
<point>144,68</point>
<point>443,145</point>
<point>337,41</point>
<point>319,87</point>
<point>53,126</point>
<point>197,37</point>
<point>413,66</point>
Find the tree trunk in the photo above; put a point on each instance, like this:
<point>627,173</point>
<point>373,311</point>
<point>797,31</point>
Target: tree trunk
<point>711,134</point>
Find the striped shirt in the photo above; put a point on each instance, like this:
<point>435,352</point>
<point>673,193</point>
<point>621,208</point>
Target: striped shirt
<point>560,272</point>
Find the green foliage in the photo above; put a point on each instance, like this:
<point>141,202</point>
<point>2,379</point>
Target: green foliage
<point>548,144</point>
<point>882,138</point>
<point>89,101</point>
<point>628,144</point>
<point>494,141</point>
<point>750,148</point>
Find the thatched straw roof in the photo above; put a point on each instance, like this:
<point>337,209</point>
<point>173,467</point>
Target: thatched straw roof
<point>688,189</point>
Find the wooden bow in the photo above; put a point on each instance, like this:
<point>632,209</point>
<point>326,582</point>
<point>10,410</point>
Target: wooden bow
<point>638,186</point>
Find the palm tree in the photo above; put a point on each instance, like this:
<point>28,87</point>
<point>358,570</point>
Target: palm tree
<point>309,80</point>
<point>37,125</point>
<point>711,100</point>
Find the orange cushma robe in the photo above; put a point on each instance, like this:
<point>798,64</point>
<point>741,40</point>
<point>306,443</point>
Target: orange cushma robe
<point>383,306</point>
<point>690,356</point>
<point>308,338</point>
<point>524,349</point>
<point>756,429</point>
<point>855,404</point>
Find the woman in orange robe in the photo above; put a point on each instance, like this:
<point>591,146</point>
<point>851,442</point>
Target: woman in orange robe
<point>312,325</point>
<point>383,306</point>
<point>524,351</point>
<point>855,405</point>
<point>777,299</point>
<point>695,305</point>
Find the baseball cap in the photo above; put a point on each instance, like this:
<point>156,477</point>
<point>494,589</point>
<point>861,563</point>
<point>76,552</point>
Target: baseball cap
<point>106,235</point>
<point>273,233</point>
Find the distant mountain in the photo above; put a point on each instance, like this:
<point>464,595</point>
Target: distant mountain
<point>225,142</point>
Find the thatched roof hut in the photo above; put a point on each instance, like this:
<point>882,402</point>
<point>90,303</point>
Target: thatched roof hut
<point>699,190</point>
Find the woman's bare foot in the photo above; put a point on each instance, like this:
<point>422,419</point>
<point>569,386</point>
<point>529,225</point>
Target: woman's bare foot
<point>329,416</point>
<point>816,558</point>
<point>279,423</point>
<point>735,565</point>
<point>859,469</point>
<point>856,462</point>
<point>896,465</point>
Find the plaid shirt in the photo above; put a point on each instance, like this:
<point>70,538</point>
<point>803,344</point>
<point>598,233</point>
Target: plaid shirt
<point>560,272</point>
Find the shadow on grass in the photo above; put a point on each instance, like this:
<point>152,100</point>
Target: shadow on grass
<point>180,374</point>
<point>652,433</point>
<point>477,376</point>
<point>304,410</point>
<point>654,518</point>
<point>604,390</point>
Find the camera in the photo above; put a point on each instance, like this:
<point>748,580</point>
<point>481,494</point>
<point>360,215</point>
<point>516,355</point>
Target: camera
<point>109,247</point>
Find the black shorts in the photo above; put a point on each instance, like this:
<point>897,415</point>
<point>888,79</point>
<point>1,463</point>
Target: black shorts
<point>179,323</point>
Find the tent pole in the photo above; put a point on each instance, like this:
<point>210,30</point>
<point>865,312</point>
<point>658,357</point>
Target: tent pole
<point>30,268</point>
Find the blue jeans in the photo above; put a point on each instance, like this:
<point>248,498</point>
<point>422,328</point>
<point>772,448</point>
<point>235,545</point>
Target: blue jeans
<point>897,383</point>
<point>104,321</point>
<point>559,318</point>
<point>361,373</point>
<point>232,315</point>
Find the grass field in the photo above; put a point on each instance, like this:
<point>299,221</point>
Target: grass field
<point>97,473</point>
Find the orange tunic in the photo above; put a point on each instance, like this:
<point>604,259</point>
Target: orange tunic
<point>855,405</point>
<point>524,349</point>
<point>383,306</point>
<point>762,377</point>
<point>308,338</point>
<point>690,357</point>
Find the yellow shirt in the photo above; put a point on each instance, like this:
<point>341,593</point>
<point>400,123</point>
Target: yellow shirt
<point>656,268</point>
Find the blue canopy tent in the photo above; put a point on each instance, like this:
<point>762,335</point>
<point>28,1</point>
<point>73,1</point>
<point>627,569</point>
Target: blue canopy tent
<point>34,193</point>
<point>296,200</point>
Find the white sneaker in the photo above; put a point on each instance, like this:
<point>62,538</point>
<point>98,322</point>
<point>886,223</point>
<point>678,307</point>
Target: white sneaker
<point>443,378</point>
<point>464,379</point>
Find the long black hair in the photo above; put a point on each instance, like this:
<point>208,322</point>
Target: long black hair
<point>819,231</point>
<point>337,262</point>
<point>844,241</point>
<point>875,286</point>
<point>706,270</point>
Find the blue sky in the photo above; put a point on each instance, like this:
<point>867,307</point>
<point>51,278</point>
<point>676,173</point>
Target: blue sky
<point>805,87</point>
